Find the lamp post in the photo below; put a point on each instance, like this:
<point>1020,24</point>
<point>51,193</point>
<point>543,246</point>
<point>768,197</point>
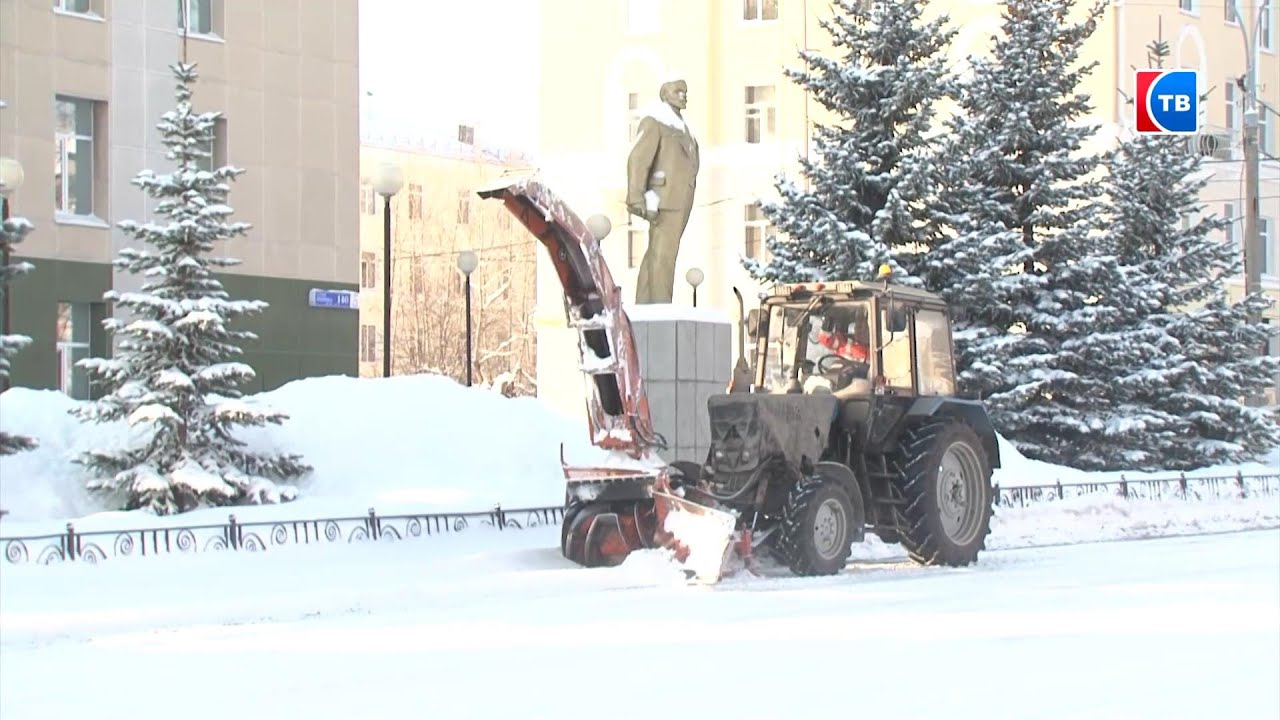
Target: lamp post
<point>467,263</point>
<point>694,277</point>
<point>11,177</point>
<point>386,183</point>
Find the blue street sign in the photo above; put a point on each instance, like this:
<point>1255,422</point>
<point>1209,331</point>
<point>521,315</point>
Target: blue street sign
<point>342,299</point>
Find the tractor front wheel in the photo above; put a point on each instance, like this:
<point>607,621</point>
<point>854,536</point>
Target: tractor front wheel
<point>815,534</point>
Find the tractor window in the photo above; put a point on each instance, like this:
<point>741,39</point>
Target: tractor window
<point>933,354</point>
<point>896,349</point>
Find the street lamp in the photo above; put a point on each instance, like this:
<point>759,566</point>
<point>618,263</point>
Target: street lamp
<point>11,177</point>
<point>467,263</point>
<point>694,277</point>
<point>387,182</point>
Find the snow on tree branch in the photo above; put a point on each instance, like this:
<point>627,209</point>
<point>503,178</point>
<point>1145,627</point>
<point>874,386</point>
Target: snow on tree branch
<point>12,232</point>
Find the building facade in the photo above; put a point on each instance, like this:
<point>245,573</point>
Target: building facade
<point>753,123</point>
<point>436,216</point>
<point>86,81</point>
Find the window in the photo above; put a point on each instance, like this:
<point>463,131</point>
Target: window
<point>1273,342</point>
<point>933,353</point>
<point>79,7</point>
<point>73,170</point>
<point>1229,90</point>
<point>1264,129</point>
<point>72,338</point>
<point>1267,259</point>
<point>761,114</point>
<point>759,9</point>
<point>196,16</point>
<point>368,270</point>
<point>642,17</point>
<point>464,207</point>
<point>896,352</point>
<point>633,116</point>
<point>756,228</point>
<point>1229,232</point>
<point>1229,12</point>
<point>1188,6</point>
<point>415,202</point>
<point>368,343</point>
<point>368,204</point>
<point>216,149</point>
<point>637,241</point>
<point>466,135</point>
<point>1266,26</point>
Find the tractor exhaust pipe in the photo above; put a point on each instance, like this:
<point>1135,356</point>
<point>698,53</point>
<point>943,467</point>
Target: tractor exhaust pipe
<point>741,380</point>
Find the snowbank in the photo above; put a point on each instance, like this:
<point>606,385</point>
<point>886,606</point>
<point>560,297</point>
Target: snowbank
<point>419,443</point>
<point>402,445</point>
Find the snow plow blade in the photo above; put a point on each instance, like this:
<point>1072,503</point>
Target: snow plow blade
<point>702,538</point>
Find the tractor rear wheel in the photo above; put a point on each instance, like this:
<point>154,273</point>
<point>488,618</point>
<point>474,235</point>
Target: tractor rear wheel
<point>816,531</point>
<point>946,482</point>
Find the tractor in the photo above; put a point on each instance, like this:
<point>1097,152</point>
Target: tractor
<point>844,421</point>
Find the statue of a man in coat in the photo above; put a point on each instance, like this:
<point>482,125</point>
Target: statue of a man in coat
<point>662,173</point>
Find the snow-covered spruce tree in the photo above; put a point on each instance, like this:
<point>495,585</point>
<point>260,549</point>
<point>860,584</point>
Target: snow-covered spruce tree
<point>173,377</point>
<point>1023,261</point>
<point>1188,356</point>
<point>872,177</point>
<point>12,231</point>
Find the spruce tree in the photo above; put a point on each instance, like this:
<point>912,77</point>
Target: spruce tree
<point>1187,356</point>
<point>174,377</point>
<point>12,231</point>
<point>872,179</point>
<point>1022,262</point>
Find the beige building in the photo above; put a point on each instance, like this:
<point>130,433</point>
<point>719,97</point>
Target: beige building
<point>752,122</point>
<point>436,215</point>
<point>86,81</point>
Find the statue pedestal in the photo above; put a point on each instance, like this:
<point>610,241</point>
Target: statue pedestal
<point>686,356</point>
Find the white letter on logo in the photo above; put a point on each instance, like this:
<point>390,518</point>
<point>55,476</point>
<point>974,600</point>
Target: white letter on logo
<point>1182,103</point>
<point>1164,101</point>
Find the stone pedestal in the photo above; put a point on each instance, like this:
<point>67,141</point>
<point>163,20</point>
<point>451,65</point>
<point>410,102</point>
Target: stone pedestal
<point>686,356</point>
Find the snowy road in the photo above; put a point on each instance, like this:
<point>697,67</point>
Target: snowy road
<point>1174,628</point>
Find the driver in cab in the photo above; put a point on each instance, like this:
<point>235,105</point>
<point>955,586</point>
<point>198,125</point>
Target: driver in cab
<point>846,339</point>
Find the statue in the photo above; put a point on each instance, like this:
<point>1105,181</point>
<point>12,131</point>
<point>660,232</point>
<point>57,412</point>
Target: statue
<point>662,172</point>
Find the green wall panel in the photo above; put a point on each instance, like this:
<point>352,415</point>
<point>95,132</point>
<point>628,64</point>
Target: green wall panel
<point>294,339</point>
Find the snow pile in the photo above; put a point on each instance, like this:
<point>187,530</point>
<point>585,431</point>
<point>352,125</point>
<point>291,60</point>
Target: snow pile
<point>418,443</point>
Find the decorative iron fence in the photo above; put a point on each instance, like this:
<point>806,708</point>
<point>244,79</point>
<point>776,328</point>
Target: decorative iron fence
<point>97,545</point>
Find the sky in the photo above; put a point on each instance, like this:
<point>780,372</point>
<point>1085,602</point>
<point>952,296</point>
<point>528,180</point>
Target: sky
<point>427,66</point>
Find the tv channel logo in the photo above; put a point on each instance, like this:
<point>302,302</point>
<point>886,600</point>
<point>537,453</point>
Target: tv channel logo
<point>1167,102</point>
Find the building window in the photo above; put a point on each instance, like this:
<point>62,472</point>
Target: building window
<point>1267,258</point>
<point>1229,13</point>
<point>1188,6</point>
<point>637,241</point>
<point>1233,110</point>
<point>466,135</point>
<point>368,270</point>
<point>73,170</point>
<point>633,116</point>
<point>762,115</point>
<point>1264,129</point>
<point>415,202</point>
<point>759,9</point>
<point>642,17</point>
<point>72,338</point>
<point>1229,232</point>
<point>1266,25</point>
<point>79,7</point>
<point>368,204</point>
<point>216,149</point>
<point>368,343</point>
<point>756,228</point>
<point>464,207</point>
<point>198,17</point>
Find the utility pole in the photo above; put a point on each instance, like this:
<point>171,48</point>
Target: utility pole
<point>1252,242</point>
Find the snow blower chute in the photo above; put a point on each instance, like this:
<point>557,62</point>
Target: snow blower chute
<point>634,500</point>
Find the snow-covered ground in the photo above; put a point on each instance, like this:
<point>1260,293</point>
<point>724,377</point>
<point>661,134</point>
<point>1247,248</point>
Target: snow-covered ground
<point>502,626</point>
<point>403,445</point>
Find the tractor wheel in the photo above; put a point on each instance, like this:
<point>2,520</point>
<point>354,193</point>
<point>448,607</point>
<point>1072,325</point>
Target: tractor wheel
<point>946,482</point>
<point>814,535</point>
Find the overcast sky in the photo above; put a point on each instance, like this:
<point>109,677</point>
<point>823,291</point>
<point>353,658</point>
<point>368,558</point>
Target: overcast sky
<point>427,66</point>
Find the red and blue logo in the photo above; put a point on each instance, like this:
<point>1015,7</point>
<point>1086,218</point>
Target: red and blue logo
<point>1167,102</point>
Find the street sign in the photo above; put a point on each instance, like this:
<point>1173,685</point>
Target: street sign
<point>340,299</point>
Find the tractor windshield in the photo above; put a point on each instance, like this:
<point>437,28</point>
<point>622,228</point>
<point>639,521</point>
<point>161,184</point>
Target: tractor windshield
<point>833,345</point>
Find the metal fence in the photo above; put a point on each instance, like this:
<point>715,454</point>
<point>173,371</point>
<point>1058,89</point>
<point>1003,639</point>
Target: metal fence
<point>234,535</point>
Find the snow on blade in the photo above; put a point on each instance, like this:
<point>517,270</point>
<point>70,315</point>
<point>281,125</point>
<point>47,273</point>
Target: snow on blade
<point>706,536</point>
